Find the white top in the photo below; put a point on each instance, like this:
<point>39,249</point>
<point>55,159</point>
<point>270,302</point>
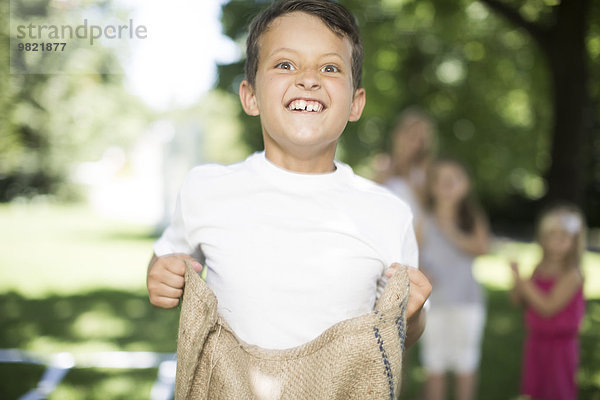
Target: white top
<point>449,268</point>
<point>289,254</point>
<point>401,188</point>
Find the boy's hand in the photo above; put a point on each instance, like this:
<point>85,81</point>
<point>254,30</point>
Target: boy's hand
<point>166,277</point>
<point>420,289</point>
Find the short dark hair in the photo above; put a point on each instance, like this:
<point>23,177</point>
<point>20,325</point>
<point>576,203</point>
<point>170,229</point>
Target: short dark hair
<point>336,17</point>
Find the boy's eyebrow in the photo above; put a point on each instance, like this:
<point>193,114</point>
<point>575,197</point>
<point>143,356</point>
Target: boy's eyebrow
<point>282,50</point>
<point>332,54</point>
<point>289,50</point>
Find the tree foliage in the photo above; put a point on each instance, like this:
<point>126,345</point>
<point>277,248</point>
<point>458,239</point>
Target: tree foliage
<point>484,79</point>
<point>560,32</point>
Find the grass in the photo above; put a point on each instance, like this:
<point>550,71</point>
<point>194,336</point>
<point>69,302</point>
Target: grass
<point>65,250</point>
<point>73,281</point>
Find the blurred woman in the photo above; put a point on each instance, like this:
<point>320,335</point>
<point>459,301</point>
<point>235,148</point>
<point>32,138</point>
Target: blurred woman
<point>403,171</point>
<point>455,231</point>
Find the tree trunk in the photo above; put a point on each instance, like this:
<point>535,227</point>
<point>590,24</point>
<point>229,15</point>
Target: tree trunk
<point>563,44</point>
<point>568,65</point>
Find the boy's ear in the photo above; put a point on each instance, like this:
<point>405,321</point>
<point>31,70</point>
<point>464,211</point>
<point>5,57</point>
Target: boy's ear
<point>248,98</point>
<point>358,104</point>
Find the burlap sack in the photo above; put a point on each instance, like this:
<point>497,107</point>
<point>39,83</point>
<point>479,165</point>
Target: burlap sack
<point>359,358</point>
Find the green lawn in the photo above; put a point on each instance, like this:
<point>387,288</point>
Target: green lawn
<point>72,281</point>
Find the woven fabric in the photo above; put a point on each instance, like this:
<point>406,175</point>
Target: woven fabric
<point>359,358</point>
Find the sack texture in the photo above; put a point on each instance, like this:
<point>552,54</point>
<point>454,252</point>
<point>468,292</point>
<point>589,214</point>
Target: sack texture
<point>359,358</point>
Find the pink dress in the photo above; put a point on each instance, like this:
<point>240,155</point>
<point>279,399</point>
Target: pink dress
<point>551,353</point>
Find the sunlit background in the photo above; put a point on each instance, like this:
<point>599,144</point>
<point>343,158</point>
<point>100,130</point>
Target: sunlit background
<point>94,143</point>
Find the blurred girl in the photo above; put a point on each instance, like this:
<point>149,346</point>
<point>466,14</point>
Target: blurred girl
<point>554,303</point>
<point>455,232</point>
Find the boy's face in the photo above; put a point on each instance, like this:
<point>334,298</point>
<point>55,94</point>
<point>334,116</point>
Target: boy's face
<point>303,91</point>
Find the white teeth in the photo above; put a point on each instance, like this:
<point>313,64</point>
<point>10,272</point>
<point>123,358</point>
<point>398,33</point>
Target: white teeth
<point>309,106</point>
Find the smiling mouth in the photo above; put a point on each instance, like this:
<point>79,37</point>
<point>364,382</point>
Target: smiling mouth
<point>302,105</point>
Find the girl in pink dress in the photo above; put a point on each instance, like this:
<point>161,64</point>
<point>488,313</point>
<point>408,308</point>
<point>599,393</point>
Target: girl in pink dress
<point>554,307</point>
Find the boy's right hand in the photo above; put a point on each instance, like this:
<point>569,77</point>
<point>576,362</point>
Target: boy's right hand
<point>166,277</point>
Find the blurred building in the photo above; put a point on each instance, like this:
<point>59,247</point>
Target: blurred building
<point>141,185</point>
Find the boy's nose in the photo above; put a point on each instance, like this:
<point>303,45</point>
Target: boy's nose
<point>308,80</point>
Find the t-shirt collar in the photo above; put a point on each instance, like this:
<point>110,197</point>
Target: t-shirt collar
<point>291,179</point>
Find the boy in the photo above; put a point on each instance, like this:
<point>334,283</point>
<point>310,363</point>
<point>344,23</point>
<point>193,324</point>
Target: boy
<point>292,240</point>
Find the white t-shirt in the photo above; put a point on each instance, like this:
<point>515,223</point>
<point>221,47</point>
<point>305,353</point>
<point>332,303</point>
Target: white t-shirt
<point>288,254</point>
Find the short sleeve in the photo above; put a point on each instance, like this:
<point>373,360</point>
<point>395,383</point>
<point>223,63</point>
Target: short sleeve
<point>409,256</point>
<point>174,238</point>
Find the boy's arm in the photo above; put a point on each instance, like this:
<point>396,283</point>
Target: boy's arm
<point>165,278</point>
<point>420,289</point>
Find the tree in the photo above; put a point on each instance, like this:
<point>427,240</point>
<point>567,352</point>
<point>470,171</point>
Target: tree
<point>485,81</point>
<point>50,121</point>
<point>561,33</point>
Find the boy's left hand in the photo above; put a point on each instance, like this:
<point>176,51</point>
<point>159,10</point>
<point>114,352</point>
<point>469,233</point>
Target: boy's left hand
<point>420,288</point>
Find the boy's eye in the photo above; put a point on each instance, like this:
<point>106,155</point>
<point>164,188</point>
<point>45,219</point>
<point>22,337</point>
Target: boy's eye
<point>285,65</point>
<point>330,68</point>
